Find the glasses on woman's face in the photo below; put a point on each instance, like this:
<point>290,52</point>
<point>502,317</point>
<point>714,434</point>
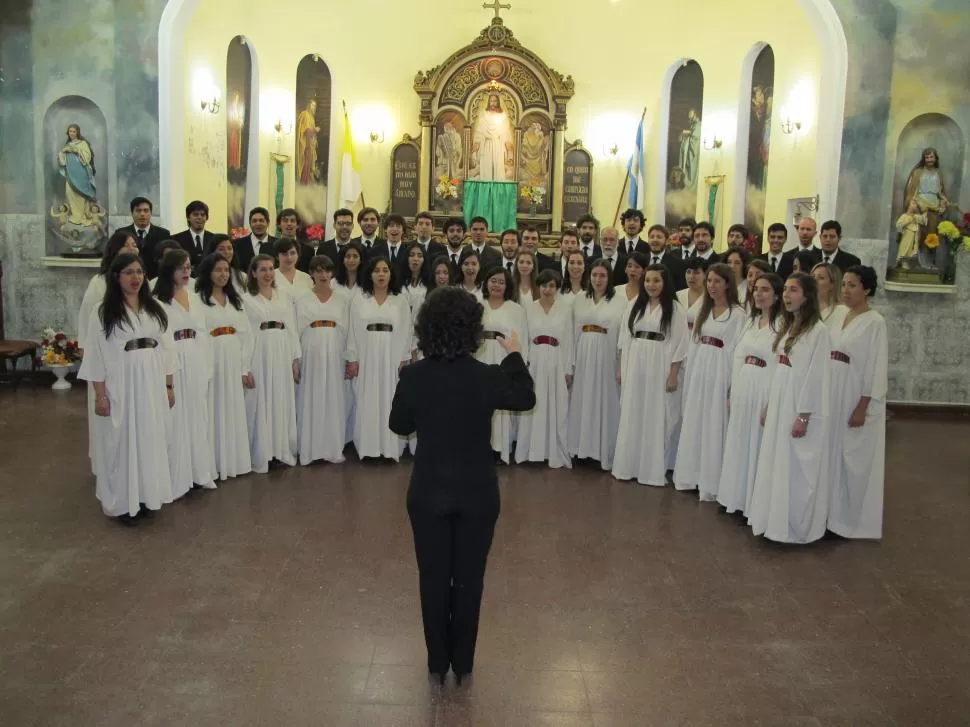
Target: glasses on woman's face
<point>186,268</point>
<point>133,273</point>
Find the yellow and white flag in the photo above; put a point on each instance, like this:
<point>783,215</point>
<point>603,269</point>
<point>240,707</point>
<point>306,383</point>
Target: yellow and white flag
<point>350,186</point>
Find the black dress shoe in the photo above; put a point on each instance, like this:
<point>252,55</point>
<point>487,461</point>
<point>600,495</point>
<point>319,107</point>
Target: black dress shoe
<point>127,520</point>
<point>145,512</point>
<point>461,675</point>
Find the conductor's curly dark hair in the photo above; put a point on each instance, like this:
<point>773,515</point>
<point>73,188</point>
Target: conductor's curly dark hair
<point>449,324</point>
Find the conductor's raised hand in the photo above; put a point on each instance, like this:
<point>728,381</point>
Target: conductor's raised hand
<point>510,343</point>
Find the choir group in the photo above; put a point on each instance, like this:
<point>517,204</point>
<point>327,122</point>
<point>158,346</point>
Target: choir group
<point>709,372</point>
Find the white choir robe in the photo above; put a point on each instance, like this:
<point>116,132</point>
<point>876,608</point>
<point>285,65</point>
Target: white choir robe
<point>594,402</point>
<point>829,317</point>
<point>132,467</point>
<point>673,440</point>
<point>415,295</point>
<point>354,296</point>
<point>379,355</point>
<point>754,364</point>
<point>526,296</point>
<point>321,408</point>
<point>700,451</point>
<point>190,454</point>
<point>647,409</point>
<point>476,292</point>
<point>93,296</point>
<point>271,406</point>
<point>239,280</point>
<point>858,453</point>
<point>231,356</point>
<point>790,500</point>
<point>302,283</point>
<point>506,318</point>
<point>620,292</point>
<point>543,431</point>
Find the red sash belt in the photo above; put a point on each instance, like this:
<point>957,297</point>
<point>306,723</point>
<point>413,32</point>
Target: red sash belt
<point>755,361</point>
<point>784,360</point>
<point>184,334</point>
<point>839,356</point>
<point>547,340</point>
<point>590,328</point>
<point>136,344</point>
<point>711,341</point>
<point>650,335</point>
<point>323,324</point>
<point>222,331</point>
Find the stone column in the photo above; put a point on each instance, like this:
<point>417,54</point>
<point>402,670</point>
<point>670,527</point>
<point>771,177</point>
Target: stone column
<point>424,179</point>
<point>558,161</point>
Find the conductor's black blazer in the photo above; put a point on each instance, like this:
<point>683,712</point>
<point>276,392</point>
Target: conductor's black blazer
<point>455,470</point>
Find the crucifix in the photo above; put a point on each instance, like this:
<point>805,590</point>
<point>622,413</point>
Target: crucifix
<point>497,7</point>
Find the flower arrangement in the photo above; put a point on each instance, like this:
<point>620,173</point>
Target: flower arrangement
<point>238,232</point>
<point>751,244</point>
<point>56,349</point>
<point>315,232</point>
<point>534,192</point>
<point>447,187</point>
<point>674,239</point>
<point>932,241</point>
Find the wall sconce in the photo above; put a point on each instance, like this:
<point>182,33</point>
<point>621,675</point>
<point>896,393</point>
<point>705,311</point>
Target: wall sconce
<point>790,126</point>
<point>377,137</point>
<point>711,143</point>
<point>611,151</point>
<point>212,105</point>
<point>283,129</point>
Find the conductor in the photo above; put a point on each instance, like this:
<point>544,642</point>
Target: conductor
<point>448,398</point>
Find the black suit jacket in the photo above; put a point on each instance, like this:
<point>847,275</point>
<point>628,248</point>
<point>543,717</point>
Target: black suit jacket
<point>330,249</point>
<point>641,246</point>
<point>675,267</point>
<point>209,241</point>
<point>146,246</point>
<point>490,257</point>
<point>843,260</point>
<point>457,474</point>
<point>243,250</point>
<point>377,241</point>
<point>307,252</point>
<point>597,252</point>
<point>785,263</point>
<point>400,263</point>
<point>455,269</point>
<point>546,262</point>
<point>618,276</point>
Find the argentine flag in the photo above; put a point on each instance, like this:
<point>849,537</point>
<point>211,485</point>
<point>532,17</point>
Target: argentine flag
<point>635,171</point>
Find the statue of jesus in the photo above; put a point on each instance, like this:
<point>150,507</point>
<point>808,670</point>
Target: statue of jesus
<point>492,145</point>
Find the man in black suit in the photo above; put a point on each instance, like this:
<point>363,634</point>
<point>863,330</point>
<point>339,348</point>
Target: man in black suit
<point>196,240</point>
<point>806,235</point>
<point>423,227</point>
<point>829,237</point>
<point>588,228</point>
<point>530,242</point>
<point>369,220</point>
<point>685,235</point>
<point>258,242</point>
<point>633,222</point>
<point>490,257</point>
<point>343,225</point>
<point>393,248</point>
<point>510,243</point>
<point>288,223</point>
<point>780,263</point>
<point>455,237</point>
<point>737,235</point>
<point>704,243</point>
<point>568,244</point>
<point>658,254</point>
<point>145,233</point>
<point>613,256</point>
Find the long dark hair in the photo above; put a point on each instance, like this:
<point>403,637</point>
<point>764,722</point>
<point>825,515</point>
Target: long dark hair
<point>724,272</point>
<point>438,261</point>
<point>517,276</point>
<point>203,281</point>
<point>252,285</point>
<point>172,260</point>
<point>567,286</point>
<point>341,276</point>
<point>610,290</point>
<point>777,285</point>
<point>667,300</point>
<point>795,325</point>
<point>366,282</point>
<point>466,253</point>
<point>113,311</point>
<point>235,267</point>
<point>498,270</point>
<point>113,247</point>
<point>422,271</point>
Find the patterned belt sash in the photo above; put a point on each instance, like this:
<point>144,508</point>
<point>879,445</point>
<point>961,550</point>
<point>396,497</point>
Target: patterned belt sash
<point>650,336</point>
<point>839,356</point>
<point>270,325</point>
<point>492,335</point>
<point>755,361</point>
<point>184,334</point>
<point>222,331</point>
<point>323,324</point>
<point>136,344</point>
<point>711,341</point>
<point>590,328</point>
<point>784,360</point>
<point>547,340</point>
<point>384,327</point>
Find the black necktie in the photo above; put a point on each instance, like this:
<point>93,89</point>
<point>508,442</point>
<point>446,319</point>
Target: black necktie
<point>774,263</point>
<point>454,259</point>
<point>141,235</point>
<point>656,260</point>
<point>198,243</point>
<point>609,261</point>
<point>589,250</point>
<point>827,259</point>
<point>508,266</point>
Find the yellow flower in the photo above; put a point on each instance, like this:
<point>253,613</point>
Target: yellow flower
<point>948,230</point>
<point>966,244</point>
<point>932,241</point>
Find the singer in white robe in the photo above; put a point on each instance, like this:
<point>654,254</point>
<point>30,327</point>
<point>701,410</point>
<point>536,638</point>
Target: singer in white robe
<point>271,405</point>
<point>790,500</point>
<point>647,409</point>
<point>677,398</point>
<point>710,361</point>
<point>858,368</point>
<point>543,430</point>
<point>502,320</point>
<point>93,296</point>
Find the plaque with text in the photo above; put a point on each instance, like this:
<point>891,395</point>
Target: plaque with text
<point>405,166</point>
<point>577,184</point>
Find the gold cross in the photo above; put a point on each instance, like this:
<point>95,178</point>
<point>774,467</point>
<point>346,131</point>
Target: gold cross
<point>496,6</point>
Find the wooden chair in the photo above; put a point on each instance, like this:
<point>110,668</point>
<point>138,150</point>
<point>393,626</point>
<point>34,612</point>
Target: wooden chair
<point>12,351</point>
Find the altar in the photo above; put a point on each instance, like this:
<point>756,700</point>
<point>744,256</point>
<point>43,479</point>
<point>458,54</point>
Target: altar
<point>493,118</point>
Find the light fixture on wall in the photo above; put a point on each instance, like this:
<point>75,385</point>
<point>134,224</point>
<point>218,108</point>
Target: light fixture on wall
<point>283,128</point>
<point>211,105</point>
<point>611,150</point>
<point>712,142</point>
<point>377,136</point>
<point>790,126</point>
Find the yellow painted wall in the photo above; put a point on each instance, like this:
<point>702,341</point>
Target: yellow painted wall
<point>618,53</point>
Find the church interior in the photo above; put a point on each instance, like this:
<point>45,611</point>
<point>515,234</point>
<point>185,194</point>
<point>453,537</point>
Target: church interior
<point>291,598</point>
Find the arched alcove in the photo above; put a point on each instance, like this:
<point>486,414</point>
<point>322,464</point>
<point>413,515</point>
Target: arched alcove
<point>311,136</point>
<point>680,141</point>
<point>242,131</point>
<point>76,164</point>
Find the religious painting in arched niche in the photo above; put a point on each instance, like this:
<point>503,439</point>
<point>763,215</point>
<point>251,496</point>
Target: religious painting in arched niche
<point>76,163</point>
<point>493,114</point>
<point>450,159</point>
<point>533,167</point>
<point>926,189</point>
<point>312,140</point>
<point>759,142</point>
<point>684,143</point>
<point>239,81</point>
